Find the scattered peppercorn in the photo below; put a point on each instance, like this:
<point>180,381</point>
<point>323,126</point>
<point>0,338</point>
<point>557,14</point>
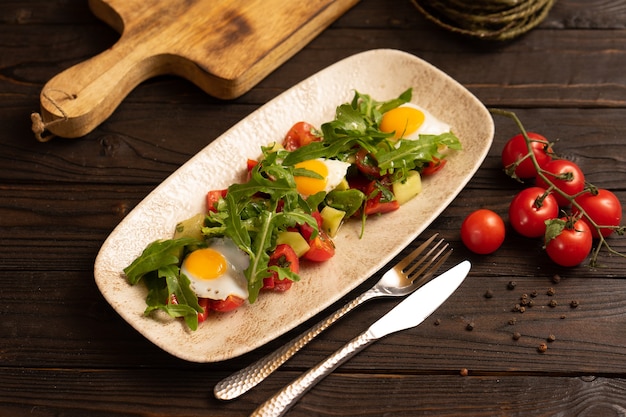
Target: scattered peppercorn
<point>522,309</point>
<point>488,294</point>
<point>551,291</point>
<point>534,294</point>
<point>517,336</point>
<point>437,322</point>
<point>470,326</point>
<point>556,278</point>
<point>542,347</point>
<point>563,317</point>
<point>512,321</point>
<point>573,303</point>
<point>551,338</point>
<point>464,372</point>
<point>511,285</point>
<point>553,303</point>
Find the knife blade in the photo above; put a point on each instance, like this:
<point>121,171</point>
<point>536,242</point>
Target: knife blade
<point>422,303</point>
<point>412,311</point>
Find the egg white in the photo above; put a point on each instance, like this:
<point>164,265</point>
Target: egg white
<point>431,125</point>
<point>231,282</point>
<point>336,172</point>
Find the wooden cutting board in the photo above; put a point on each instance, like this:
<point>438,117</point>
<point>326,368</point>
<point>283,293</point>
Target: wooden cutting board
<point>223,46</point>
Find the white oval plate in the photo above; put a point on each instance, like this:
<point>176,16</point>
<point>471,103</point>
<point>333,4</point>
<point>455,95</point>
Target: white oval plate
<point>383,74</point>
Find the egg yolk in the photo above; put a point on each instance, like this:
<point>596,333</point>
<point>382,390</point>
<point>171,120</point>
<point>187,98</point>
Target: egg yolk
<point>310,185</point>
<point>206,263</point>
<point>401,120</point>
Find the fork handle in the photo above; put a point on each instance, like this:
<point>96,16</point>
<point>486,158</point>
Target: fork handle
<point>243,380</point>
<point>284,399</point>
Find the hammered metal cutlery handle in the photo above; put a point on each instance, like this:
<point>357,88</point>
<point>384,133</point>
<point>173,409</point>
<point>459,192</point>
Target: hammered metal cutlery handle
<point>243,380</point>
<point>285,398</point>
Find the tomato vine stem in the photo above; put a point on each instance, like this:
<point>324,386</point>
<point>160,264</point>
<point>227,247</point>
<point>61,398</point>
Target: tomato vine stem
<point>551,186</point>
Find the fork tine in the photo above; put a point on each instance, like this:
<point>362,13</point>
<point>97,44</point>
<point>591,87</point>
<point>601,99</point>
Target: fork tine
<point>428,275</point>
<point>428,256</point>
<point>411,256</point>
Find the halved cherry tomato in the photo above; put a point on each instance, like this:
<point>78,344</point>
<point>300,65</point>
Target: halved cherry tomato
<point>516,150</point>
<point>366,163</point>
<point>212,197</point>
<point>229,304</point>
<point>556,171</point>
<point>205,304</point>
<point>375,202</point>
<point>285,257</point>
<point>433,166</point>
<point>299,135</point>
<point>321,248</point>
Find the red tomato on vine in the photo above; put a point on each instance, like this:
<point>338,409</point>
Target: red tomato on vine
<point>568,241</point>
<point>530,209</point>
<point>604,208</point>
<point>516,150</point>
<point>565,175</point>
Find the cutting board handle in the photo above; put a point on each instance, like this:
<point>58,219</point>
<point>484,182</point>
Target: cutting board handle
<point>78,99</point>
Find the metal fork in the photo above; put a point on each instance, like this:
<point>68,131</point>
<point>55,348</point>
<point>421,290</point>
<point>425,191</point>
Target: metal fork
<point>402,279</point>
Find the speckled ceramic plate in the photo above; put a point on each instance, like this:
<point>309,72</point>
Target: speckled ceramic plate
<point>383,74</point>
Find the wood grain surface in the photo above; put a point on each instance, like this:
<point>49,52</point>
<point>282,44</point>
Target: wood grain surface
<point>65,352</point>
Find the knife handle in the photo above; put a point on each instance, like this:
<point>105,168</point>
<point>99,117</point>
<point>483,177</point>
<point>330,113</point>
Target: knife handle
<point>284,399</point>
<point>247,378</point>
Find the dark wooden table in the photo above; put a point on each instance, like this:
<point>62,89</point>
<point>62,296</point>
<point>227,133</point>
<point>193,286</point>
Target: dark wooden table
<point>65,352</point>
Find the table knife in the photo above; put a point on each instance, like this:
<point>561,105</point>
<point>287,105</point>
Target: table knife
<point>407,314</point>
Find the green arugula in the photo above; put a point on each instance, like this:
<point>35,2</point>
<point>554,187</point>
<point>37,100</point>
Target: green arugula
<point>158,266</point>
<point>253,213</point>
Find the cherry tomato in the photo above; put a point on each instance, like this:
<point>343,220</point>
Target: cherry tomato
<point>516,149</point>
<point>375,203</point>
<point>299,135</point>
<point>574,184</point>
<point>283,256</point>
<point>229,304</point>
<point>204,303</point>
<point>529,210</point>
<point>366,163</point>
<point>571,245</point>
<point>321,248</point>
<point>483,231</point>
<point>433,166</point>
<point>604,208</point>
<point>212,197</point>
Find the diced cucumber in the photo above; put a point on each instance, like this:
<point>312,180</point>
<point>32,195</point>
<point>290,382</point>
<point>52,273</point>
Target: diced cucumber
<point>343,185</point>
<point>294,239</point>
<point>191,227</point>
<point>331,220</point>
<point>408,188</point>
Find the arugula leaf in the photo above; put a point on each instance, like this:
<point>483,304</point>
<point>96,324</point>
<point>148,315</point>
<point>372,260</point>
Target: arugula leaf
<point>156,255</point>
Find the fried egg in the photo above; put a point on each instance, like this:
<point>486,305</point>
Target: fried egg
<point>409,120</point>
<point>332,172</point>
<point>216,271</point>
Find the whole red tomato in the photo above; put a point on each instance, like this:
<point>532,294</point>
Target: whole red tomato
<point>566,175</point>
<point>604,209</point>
<point>568,241</point>
<point>516,150</point>
<point>483,231</point>
<point>530,209</point>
